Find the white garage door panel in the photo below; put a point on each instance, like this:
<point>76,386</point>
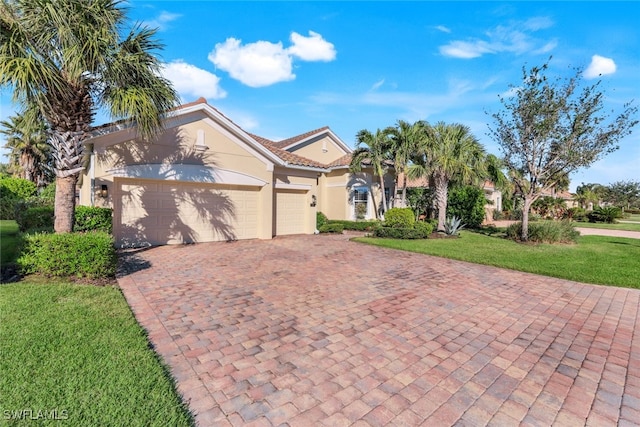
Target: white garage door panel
<point>157,214</point>
<point>291,212</point>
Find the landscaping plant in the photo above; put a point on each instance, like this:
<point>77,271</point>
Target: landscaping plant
<point>90,255</point>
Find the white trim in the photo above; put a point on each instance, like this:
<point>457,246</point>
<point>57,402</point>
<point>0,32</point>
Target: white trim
<point>335,139</point>
<point>286,186</point>
<point>187,173</point>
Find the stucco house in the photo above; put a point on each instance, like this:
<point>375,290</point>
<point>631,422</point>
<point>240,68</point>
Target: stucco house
<point>206,179</point>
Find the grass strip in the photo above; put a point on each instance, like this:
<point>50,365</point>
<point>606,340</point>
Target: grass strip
<point>74,355</point>
<point>594,259</point>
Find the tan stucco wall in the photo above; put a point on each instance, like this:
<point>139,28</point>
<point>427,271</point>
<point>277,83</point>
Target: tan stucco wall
<point>323,150</point>
<point>336,189</point>
<point>176,146</point>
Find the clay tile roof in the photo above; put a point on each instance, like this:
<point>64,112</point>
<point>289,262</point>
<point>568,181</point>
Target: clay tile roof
<point>290,158</point>
<point>294,139</point>
<point>342,161</point>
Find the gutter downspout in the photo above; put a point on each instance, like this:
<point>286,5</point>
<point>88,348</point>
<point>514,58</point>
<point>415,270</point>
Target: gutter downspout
<point>92,175</point>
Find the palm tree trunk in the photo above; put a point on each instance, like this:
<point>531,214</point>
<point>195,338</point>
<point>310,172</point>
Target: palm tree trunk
<point>441,193</point>
<point>67,152</point>
<point>404,192</point>
<point>65,203</point>
<point>384,199</point>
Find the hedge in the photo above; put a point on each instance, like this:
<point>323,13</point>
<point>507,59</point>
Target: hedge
<point>355,225</point>
<point>89,255</point>
<point>331,228</point>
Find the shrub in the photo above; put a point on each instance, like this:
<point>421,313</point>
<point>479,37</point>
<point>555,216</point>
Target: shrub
<point>321,219</point>
<point>88,218</point>
<point>498,215</point>
<point>331,228</point>
<point>399,218</point>
<point>452,226</point>
<point>12,192</point>
<point>401,233</point>
<point>355,225</point>
<point>607,214</point>
<point>89,255</point>
<point>545,232</point>
<point>8,201</point>
<point>576,214</point>
<point>467,203</point>
<point>48,193</point>
<point>425,227</point>
<point>31,218</point>
<point>21,188</point>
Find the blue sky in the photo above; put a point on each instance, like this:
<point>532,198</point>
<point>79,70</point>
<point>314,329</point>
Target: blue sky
<point>283,68</point>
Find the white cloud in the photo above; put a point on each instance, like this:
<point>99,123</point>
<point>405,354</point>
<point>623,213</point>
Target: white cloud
<point>312,48</point>
<point>377,84</point>
<point>599,66</point>
<point>516,37</point>
<point>191,80</point>
<point>442,28</point>
<point>162,20</point>
<point>255,64</point>
<point>466,50</point>
<point>538,23</point>
<point>264,63</point>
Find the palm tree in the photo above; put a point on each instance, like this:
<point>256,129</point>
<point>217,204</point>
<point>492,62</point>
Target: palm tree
<point>29,153</point>
<point>372,149</point>
<point>447,152</point>
<point>404,140</point>
<point>68,58</point>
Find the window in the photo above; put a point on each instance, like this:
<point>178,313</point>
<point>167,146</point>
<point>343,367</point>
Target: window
<point>360,202</point>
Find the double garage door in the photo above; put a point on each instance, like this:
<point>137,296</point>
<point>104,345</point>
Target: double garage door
<point>160,212</point>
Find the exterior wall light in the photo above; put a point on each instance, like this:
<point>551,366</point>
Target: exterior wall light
<point>314,201</point>
<point>104,191</point>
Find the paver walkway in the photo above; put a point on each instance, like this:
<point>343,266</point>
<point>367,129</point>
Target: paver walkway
<point>317,330</point>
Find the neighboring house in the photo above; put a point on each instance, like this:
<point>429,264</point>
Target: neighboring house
<point>206,179</point>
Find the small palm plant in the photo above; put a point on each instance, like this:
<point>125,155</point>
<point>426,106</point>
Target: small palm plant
<point>452,226</point>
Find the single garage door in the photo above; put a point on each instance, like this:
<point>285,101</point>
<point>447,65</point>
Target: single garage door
<point>291,212</point>
<point>161,212</point>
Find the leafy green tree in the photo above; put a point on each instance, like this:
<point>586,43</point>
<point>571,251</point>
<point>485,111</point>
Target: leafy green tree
<point>68,58</point>
<point>551,128</point>
<point>590,193</point>
<point>447,152</point>
<point>372,150</point>
<point>29,154</point>
<point>625,194</point>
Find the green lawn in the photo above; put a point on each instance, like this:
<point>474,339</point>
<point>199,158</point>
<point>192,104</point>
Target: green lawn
<point>627,226</point>
<point>77,350</point>
<point>9,241</point>
<point>632,217</point>
<point>595,259</point>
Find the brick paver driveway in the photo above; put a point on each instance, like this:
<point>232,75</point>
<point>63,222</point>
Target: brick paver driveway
<point>317,330</point>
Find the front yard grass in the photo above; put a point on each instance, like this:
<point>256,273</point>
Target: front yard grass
<point>626,226</point>
<point>594,259</point>
<point>75,353</point>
